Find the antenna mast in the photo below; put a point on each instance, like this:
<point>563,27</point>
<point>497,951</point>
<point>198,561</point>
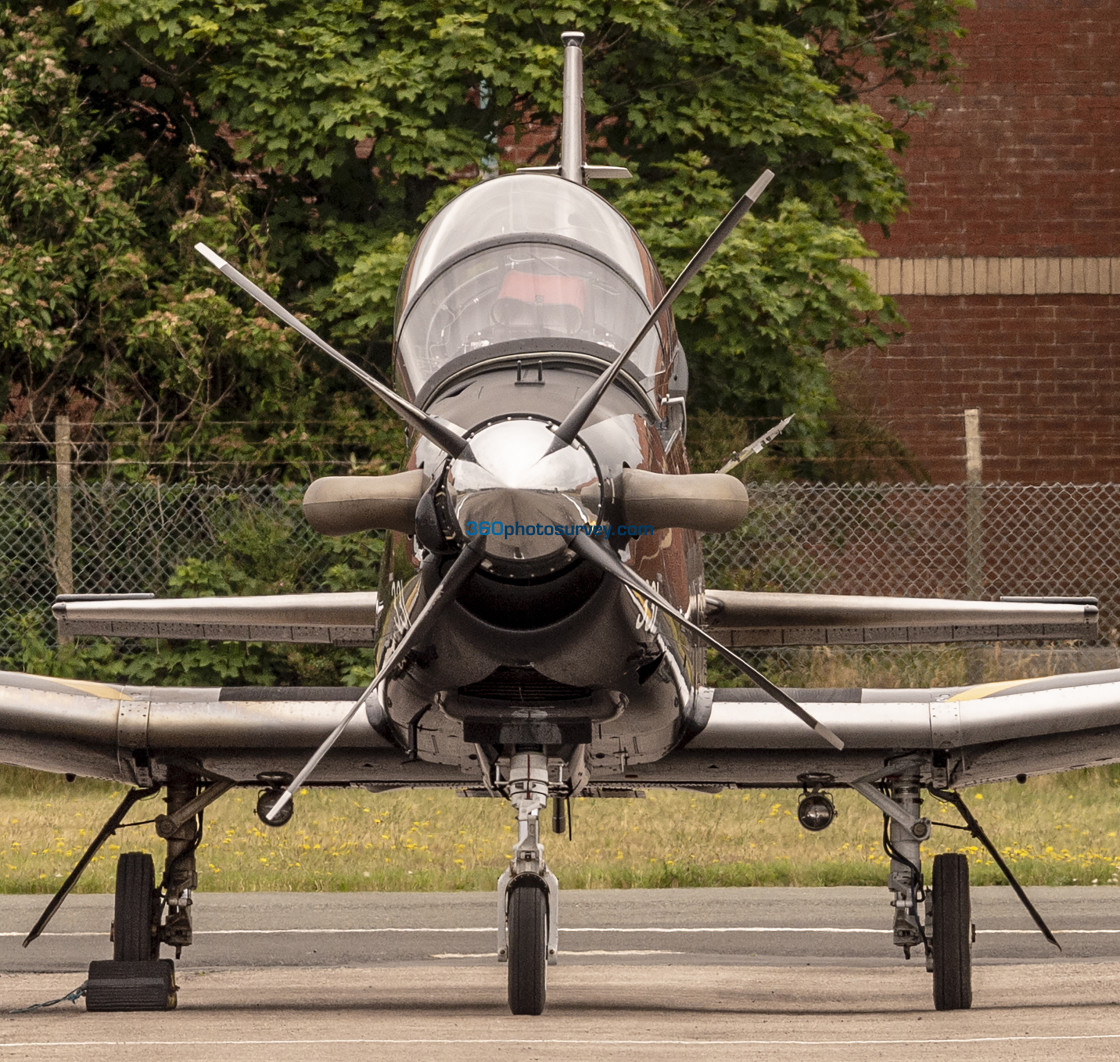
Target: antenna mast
<point>572,119</point>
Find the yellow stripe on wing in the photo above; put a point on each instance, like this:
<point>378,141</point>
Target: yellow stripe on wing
<point>93,689</point>
<point>976,693</point>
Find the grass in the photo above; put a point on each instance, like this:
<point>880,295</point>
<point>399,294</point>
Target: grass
<point>1053,831</point>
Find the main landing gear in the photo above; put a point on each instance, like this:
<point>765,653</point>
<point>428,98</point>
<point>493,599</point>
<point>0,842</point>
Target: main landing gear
<point>146,914</point>
<point>947,933</point>
<point>953,933</point>
<point>528,892</point>
<point>136,909</point>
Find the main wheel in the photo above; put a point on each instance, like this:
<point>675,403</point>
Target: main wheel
<point>136,911</point>
<point>527,915</point>
<point>952,933</point>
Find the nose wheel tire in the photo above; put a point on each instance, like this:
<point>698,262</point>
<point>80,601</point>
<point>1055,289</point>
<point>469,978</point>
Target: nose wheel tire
<point>527,915</point>
<point>952,933</point>
<point>136,909</point>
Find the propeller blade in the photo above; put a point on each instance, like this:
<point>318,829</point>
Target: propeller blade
<point>471,557</point>
<point>575,420</point>
<point>603,556</point>
<point>444,437</point>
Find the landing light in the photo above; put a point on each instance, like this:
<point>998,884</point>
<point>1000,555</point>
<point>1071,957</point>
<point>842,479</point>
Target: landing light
<point>816,811</point>
<point>266,801</point>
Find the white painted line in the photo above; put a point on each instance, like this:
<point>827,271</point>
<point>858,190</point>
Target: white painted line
<point>584,1042</point>
<point>567,954</point>
<point>464,955</point>
<point>357,930</point>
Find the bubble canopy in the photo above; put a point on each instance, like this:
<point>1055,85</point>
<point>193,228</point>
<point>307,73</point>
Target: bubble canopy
<point>527,262</point>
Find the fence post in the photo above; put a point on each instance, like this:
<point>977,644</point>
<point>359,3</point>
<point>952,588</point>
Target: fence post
<point>64,509</point>
<point>974,505</point>
<point>974,527</point>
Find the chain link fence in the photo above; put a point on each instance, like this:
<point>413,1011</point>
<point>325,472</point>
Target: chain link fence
<point>127,538</point>
<point>927,541</point>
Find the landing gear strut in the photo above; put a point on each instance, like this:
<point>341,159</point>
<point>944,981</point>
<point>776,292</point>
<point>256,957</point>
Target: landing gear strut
<point>527,891</point>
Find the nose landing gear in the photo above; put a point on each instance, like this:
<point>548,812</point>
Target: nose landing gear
<point>528,891</point>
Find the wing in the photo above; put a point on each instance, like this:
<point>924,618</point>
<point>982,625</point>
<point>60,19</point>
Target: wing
<point>955,736</point>
<point>741,618</point>
<point>961,735</point>
<point>334,619</point>
<point>132,734</point>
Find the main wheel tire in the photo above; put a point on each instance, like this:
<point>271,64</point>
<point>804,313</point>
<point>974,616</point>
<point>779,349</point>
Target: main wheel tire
<point>136,909</point>
<point>527,915</point>
<point>952,933</point>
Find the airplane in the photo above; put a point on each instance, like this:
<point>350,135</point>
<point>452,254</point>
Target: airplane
<point>551,641</point>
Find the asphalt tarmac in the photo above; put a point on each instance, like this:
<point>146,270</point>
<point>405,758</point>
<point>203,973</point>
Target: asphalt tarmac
<point>708,973</point>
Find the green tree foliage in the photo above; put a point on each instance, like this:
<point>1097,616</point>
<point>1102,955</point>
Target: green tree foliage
<point>73,276</point>
<point>108,315</point>
<point>357,121</point>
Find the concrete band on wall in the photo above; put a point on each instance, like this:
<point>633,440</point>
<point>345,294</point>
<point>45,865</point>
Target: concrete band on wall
<point>992,276</point>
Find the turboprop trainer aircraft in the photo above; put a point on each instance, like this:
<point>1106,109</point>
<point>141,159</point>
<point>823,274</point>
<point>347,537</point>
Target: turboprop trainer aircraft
<point>552,640</point>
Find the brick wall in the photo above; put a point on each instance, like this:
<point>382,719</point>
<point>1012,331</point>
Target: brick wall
<point>1044,370</point>
<point>1007,265</point>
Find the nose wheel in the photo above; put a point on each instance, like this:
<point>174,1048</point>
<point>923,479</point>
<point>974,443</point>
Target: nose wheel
<point>527,948</point>
<point>528,892</point>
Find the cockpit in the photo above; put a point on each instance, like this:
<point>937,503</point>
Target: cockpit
<point>525,264</point>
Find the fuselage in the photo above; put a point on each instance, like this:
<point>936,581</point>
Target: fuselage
<point>515,298</point>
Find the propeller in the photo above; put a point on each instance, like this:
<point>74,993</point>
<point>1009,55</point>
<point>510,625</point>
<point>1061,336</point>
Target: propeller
<point>445,437</point>
<point>339,507</point>
<point>474,553</point>
<point>603,557</point>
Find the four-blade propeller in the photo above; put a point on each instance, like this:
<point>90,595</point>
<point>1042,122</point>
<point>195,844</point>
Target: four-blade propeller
<point>337,517</point>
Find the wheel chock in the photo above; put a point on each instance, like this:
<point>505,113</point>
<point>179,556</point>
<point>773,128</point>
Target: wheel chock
<point>117,985</point>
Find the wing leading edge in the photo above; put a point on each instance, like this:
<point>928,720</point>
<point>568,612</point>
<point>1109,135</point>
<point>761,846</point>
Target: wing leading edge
<point>744,618</point>
<point>328,618</point>
<point>963,735</point>
<point>134,734</point>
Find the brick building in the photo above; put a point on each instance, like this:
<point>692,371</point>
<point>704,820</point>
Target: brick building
<point>1007,266</point>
